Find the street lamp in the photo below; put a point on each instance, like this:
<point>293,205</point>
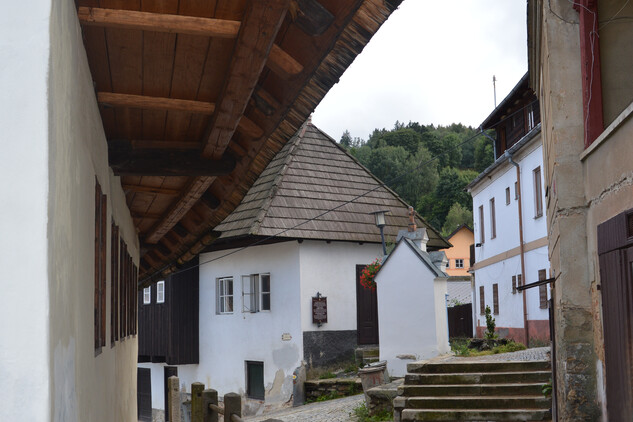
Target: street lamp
<point>379,216</point>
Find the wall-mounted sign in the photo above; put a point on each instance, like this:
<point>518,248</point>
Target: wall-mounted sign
<point>286,337</point>
<point>319,310</point>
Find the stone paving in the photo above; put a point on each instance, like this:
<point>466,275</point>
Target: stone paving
<point>536,353</point>
<point>339,410</point>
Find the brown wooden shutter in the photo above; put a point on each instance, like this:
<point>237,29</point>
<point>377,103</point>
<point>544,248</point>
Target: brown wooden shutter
<point>482,301</point>
<point>520,280</point>
<point>542,290</point>
<point>495,299</point>
<point>514,284</point>
<point>100,267</point>
<point>114,294</point>
<point>493,219</point>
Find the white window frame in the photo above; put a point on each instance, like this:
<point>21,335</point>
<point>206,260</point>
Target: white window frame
<point>160,292</point>
<point>459,263</point>
<point>225,302</point>
<point>253,293</point>
<point>147,295</point>
<point>538,191</point>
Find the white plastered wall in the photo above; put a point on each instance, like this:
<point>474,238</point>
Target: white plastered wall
<point>24,305</point>
<point>411,311</point>
<point>84,387</point>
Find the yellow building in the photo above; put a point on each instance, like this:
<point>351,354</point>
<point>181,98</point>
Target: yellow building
<point>459,255</point>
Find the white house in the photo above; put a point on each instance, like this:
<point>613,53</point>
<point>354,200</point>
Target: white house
<point>412,314</point>
<point>510,227</point>
<point>281,256</point>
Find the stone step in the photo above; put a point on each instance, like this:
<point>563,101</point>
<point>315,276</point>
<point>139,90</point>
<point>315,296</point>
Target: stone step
<point>479,402</point>
<point>478,378</point>
<point>410,415</point>
<point>519,389</point>
<point>466,367</point>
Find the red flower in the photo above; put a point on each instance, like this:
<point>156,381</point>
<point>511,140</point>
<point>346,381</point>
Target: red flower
<point>368,274</point>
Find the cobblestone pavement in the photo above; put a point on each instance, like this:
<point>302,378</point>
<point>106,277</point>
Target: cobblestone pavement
<point>339,410</point>
<point>536,353</point>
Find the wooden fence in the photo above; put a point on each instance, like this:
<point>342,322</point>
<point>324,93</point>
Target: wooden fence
<point>204,404</point>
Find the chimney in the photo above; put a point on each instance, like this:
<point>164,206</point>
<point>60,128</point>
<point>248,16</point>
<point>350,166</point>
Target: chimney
<point>412,225</point>
<point>418,236</point>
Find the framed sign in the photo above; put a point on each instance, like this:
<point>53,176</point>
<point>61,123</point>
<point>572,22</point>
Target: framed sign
<point>319,310</point>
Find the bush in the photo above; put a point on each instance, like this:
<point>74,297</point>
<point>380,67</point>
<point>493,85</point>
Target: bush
<point>362,414</point>
<point>490,325</point>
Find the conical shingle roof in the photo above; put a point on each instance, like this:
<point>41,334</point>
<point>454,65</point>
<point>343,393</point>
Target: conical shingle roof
<point>309,176</point>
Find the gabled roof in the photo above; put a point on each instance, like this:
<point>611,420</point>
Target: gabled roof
<point>462,226</point>
<point>428,259</point>
<point>309,176</point>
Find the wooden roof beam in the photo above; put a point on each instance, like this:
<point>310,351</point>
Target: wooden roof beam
<point>261,23</point>
<point>156,162</point>
<point>279,61</point>
<point>113,99</point>
<point>150,189</point>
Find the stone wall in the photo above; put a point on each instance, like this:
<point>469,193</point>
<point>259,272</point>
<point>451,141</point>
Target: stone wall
<point>330,387</point>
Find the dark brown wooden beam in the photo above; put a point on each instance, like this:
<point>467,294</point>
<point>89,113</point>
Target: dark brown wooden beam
<point>311,16</point>
<point>150,189</point>
<point>191,194</point>
<point>210,200</point>
<point>279,61</point>
<point>168,163</point>
<point>259,28</point>
<point>158,22</point>
<point>150,144</point>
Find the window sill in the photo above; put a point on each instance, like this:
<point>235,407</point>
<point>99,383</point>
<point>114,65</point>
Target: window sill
<point>606,134</point>
<point>536,217</point>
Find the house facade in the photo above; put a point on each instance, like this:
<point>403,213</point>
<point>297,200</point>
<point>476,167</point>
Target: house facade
<point>411,288</point>
<point>580,62</point>
<point>279,289</point>
<point>458,255</point>
<point>509,224</point>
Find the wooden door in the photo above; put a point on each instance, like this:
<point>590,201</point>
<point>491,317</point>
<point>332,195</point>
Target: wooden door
<point>366,312</point>
<point>144,394</point>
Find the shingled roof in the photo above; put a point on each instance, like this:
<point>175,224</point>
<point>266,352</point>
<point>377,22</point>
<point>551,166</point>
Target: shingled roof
<point>309,176</point>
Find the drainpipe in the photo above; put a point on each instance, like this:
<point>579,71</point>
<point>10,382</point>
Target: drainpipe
<point>521,246</point>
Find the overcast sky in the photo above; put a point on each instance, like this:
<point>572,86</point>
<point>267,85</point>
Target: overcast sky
<point>431,62</point>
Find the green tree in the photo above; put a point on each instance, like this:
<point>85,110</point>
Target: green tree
<point>409,139</point>
<point>457,215</point>
<point>484,153</point>
<point>346,140</point>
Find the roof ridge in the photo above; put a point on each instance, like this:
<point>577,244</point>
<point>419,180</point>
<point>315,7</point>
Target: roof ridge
<point>292,146</point>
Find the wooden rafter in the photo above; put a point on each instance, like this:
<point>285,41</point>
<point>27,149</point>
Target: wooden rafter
<point>113,99</point>
<point>179,208</point>
<point>280,62</point>
<point>255,40</point>
<point>150,189</point>
<point>158,162</point>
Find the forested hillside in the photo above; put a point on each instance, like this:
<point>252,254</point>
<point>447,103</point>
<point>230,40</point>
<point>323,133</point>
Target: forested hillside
<point>428,166</point>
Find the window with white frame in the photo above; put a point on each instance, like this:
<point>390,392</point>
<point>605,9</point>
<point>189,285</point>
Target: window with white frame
<point>160,292</point>
<point>224,295</point>
<point>538,200</point>
<point>256,292</point>
<point>459,263</point>
<point>147,295</point>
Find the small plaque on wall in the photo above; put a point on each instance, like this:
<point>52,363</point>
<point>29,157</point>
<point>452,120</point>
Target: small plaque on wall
<point>319,310</point>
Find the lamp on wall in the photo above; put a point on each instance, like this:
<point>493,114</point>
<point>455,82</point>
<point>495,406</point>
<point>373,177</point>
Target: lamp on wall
<point>379,217</point>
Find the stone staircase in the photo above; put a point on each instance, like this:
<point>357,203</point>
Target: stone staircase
<point>474,391</point>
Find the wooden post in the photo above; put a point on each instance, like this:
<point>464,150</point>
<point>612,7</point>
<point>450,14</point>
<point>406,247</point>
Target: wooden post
<point>232,406</point>
<point>173,398</point>
<point>196,402</point>
<point>209,396</point>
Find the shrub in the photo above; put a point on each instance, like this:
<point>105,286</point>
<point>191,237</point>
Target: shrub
<point>362,414</point>
<point>490,325</point>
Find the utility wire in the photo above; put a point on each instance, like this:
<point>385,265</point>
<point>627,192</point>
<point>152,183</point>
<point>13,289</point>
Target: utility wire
<point>380,185</point>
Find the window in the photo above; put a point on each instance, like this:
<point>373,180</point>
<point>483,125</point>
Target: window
<point>516,190</point>
<point>160,292</point>
<point>459,263</point>
<point>255,380</point>
<point>519,280</point>
<point>481,224</point>
<point>495,299</point>
<point>256,293</point>
<point>530,116</point>
<point>147,295</point>
<point>508,195</point>
<point>542,290</point>
<point>114,295</point>
<point>514,284</point>
<point>538,200</point>
<point>100,268</point>
<point>493,222</point>
<point>224,294</point>
<point>482,301</point>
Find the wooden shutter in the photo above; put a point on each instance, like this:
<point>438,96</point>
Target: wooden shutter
<point>495,299</point>
<point>100,268</point>
<point>520,280</point>
<point>538,201</point>
<point>114,294</point>
<point>481,224</point>
<point>542,290</point>
<point>514,284</point>
<point>493,219</point>
<point>482,301</point>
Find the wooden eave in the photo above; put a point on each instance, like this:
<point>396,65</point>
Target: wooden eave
<point>197,96</point>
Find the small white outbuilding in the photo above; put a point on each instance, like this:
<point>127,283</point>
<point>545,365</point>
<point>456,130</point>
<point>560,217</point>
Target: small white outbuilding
<point>411,287</point>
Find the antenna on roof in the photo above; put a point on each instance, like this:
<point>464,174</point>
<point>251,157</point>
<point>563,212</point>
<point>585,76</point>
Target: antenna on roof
<point>494,88</point>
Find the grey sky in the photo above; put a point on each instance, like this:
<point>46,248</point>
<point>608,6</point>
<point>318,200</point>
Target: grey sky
<point>431,62</point>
